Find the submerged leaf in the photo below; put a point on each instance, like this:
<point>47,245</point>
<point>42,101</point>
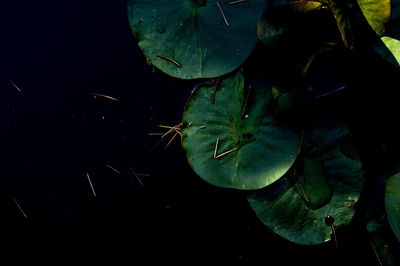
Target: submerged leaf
<point>294,35</point>
<point>313,183</point>
<point>204,38</point>
<point>278,20</point>
<point>343,13</point>
<point>241,121</point>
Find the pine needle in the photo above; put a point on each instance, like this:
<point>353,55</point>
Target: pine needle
<point>236,2</point>
<point>105,96</point>
<point>171,129</point>
<point>169,142</point>
<point>115,170</point>
<point>376,254</point>
<point>170,60</point>
<point>15,86</point>
<point>137,176</point>
<point>216,148</point>
<point>19,208</point>
<point>225,153</point>
<point>234,128</point>
<point>223,15</point>
<point>303,191</point>
<point>91,185</point>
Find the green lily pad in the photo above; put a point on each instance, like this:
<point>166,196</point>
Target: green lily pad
<point>393,45</point>
<point>388,46</point>
<point>392,28</point>
<point>323,184</point>
<point>377,13</point>
<point>195,34</point>
<point>265,151</point>
<point>392,203</point>
<point>389,49</point>
<point>317,191</point>
<point>383,243</point>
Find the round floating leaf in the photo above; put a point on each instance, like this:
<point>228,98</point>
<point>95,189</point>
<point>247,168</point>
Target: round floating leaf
<point>259,151</point>
<point>392,203</point>
<point>314,186</point>
<point>388,46</point>
<point>195,34</point>
<point>389,49</point>
<point>383,243</point>
<point>377,13</point>
<point>321,191</point>
<point>393,45</point>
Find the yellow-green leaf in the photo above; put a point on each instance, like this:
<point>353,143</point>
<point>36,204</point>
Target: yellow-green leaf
<point>376,12</point>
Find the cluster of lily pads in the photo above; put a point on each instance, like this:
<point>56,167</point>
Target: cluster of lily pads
<point>248,124</point>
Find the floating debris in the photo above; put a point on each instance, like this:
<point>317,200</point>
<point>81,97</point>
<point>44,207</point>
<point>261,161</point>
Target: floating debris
<point>137,176</point>
<point>91,185</point>
<point>115,170</point>
<point>20,209</point>
<point>169,59</point>
<point>143,174</point>
<point>376,254</point>
<point>225,153</point>
<point>223,15</point>
<point>236,2</point>
<point>234,128</point>
<point>105,96</point>
<point>15,86</point>
<point>216,148</point>
<point>169,142</point>
<point>174,129</point>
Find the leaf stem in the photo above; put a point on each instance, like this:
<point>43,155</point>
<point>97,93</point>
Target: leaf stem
<point>334,235</point>
<point>302,190</point>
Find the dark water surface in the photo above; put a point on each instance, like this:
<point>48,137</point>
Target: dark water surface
<point>55,131</point>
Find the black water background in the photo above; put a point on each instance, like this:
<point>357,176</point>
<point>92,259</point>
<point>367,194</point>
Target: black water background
<point>54,132</point>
